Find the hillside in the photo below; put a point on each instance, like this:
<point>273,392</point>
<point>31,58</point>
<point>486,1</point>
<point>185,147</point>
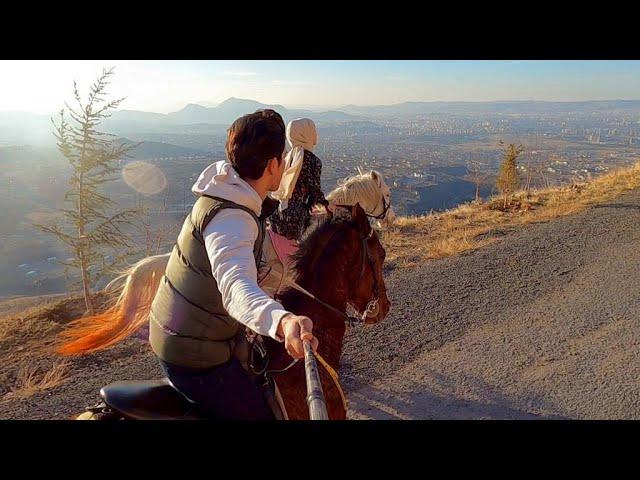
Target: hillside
<point>542,324</point>
<point>414,240</point>
<point>149,149</point>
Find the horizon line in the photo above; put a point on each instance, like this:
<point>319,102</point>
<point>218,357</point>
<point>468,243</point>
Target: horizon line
<point>358,105</point>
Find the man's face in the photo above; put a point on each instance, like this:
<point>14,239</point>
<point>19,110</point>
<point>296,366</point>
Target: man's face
<point>278,170</point>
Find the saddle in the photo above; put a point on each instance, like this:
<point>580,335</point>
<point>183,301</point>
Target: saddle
<point>276,271</point>
<point>160,400</point>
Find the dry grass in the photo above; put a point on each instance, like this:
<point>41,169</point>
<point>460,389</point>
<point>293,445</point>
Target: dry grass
<point>414,239</point>
<point>34,331</point>
<point>4,331</point>
<point>17,304</point>
<point>30,379</point>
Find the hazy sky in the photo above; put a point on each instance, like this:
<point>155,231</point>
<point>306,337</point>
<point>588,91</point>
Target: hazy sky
<point>165,86</point>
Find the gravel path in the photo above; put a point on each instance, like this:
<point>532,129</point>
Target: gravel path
<point>543,324</point>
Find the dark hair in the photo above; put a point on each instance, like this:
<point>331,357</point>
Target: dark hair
<point>253,139</point>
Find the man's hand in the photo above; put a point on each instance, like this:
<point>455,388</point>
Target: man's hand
<point>294,329</point>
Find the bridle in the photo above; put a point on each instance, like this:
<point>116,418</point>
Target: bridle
<point>351,314</point>
<point>372,307</point>
<point>385,209</point>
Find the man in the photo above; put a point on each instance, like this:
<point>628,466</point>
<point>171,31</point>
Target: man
<point>210,289</point>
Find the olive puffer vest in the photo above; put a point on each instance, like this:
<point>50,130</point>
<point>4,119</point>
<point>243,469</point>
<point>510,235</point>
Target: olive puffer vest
<point>188,325</point>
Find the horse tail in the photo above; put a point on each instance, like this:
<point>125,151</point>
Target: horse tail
<point>128,314</point>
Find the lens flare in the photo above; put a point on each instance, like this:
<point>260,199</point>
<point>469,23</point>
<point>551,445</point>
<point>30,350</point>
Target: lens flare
<point>144,177</point>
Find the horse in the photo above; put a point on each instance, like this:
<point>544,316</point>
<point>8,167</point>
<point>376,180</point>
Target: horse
<point>340,263</point>
<point>339,280</point>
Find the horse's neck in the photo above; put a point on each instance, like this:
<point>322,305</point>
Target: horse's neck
<point>328,327</point>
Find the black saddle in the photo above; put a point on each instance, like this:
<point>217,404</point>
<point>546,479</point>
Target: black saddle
<point>148,400</point>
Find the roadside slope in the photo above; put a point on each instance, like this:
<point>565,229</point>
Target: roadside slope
<point>542,324</point>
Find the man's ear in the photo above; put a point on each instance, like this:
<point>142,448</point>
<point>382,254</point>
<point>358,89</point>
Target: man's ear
<point>272,165</point>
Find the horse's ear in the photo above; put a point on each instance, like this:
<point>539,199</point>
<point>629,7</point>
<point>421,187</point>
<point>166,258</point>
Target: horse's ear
<point>359,216</point>
<point>376,177</point>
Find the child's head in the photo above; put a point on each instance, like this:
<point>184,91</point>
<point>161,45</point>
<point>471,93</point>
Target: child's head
<point>301,132</point>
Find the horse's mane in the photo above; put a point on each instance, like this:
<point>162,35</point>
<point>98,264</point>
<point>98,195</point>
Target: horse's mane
<point>313,242</point>
<point>361,188</point>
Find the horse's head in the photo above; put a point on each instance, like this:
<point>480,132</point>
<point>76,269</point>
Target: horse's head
<point>370,191</point>
<point>369,283</point>
<point>341,261</point>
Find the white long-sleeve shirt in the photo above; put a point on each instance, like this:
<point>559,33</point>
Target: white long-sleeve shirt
<point>229,239</point>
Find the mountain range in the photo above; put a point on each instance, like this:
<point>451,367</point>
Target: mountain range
<point>125,121</point>
<point>26,128</point>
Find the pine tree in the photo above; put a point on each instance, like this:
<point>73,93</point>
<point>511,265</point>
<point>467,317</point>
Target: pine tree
<point>507,181</point>
<point>476,170</point>
<point>92,227</point>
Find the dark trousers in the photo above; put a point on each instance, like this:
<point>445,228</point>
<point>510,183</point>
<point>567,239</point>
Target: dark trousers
<point>224,392</point>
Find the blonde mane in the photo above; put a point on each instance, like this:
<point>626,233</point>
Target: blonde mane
<point>368,189</point>
<point>358,188</point>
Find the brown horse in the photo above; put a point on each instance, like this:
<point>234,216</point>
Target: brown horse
<point>339,262</point>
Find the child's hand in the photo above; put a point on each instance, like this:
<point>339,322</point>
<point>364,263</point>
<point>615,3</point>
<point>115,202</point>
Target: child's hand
<point>318,210</point>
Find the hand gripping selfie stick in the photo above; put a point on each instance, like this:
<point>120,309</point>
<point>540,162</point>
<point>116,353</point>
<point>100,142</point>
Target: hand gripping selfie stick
<point>315,396</point>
